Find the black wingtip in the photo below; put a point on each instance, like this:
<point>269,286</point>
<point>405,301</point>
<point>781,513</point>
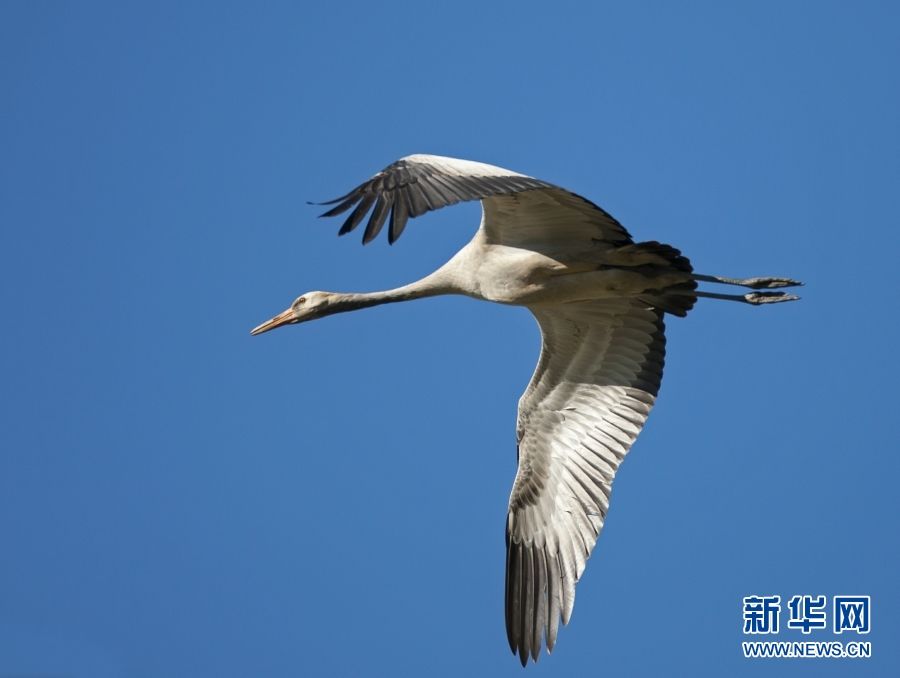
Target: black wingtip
<point>334,201</point>
<point>320,204</point>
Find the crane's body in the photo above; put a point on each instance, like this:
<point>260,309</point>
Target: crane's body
<point>522,277</point>
<point>600,300</point>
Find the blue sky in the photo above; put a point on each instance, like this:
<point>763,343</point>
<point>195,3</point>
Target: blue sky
<point>178,498</point>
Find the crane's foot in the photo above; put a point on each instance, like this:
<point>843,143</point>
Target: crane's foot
<point>769,283</point>
<point>757,298</point>
<point>758,283</point>
<point>753,298</point>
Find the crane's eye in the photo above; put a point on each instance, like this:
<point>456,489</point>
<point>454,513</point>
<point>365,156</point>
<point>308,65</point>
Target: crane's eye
<point>301,300</point>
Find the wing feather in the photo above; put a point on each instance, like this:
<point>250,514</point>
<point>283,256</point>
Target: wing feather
<point>528,584</point>
<point>540,601</point>
<point>596,380</point>
<point>379,214</point>
<point>519,210</point>
<point>399,216</point>
<point>553,596</point>
<point>417,201</point>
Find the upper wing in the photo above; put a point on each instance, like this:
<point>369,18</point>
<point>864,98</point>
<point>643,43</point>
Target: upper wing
<point>420,183</point>
<point>596,380</point>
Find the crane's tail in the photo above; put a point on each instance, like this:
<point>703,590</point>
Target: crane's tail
<point>677,290</point>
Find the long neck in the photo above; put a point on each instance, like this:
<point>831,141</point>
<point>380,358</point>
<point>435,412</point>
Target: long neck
<point>439,282</point>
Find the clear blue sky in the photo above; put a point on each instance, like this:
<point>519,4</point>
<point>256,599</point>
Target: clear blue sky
<point>178,498</point>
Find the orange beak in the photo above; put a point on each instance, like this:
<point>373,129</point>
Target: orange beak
<point>283,318</point>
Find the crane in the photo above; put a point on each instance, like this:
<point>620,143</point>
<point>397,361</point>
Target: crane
<point>599,299</point>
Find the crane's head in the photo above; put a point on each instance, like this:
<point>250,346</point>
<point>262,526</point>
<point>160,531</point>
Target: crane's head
<point>308,306</point>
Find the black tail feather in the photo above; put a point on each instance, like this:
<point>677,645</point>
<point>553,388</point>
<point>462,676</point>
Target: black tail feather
<point>658,259</point>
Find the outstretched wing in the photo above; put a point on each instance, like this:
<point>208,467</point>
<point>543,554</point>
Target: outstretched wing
<point>421,183</point>
<point>597,378</point>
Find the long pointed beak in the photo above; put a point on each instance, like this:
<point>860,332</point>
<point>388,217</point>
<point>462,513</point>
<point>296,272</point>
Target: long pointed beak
<point>283,318</point>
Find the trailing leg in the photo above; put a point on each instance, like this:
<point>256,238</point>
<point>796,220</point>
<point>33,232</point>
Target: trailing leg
<point>753,298</point>
<point>752,283</point>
